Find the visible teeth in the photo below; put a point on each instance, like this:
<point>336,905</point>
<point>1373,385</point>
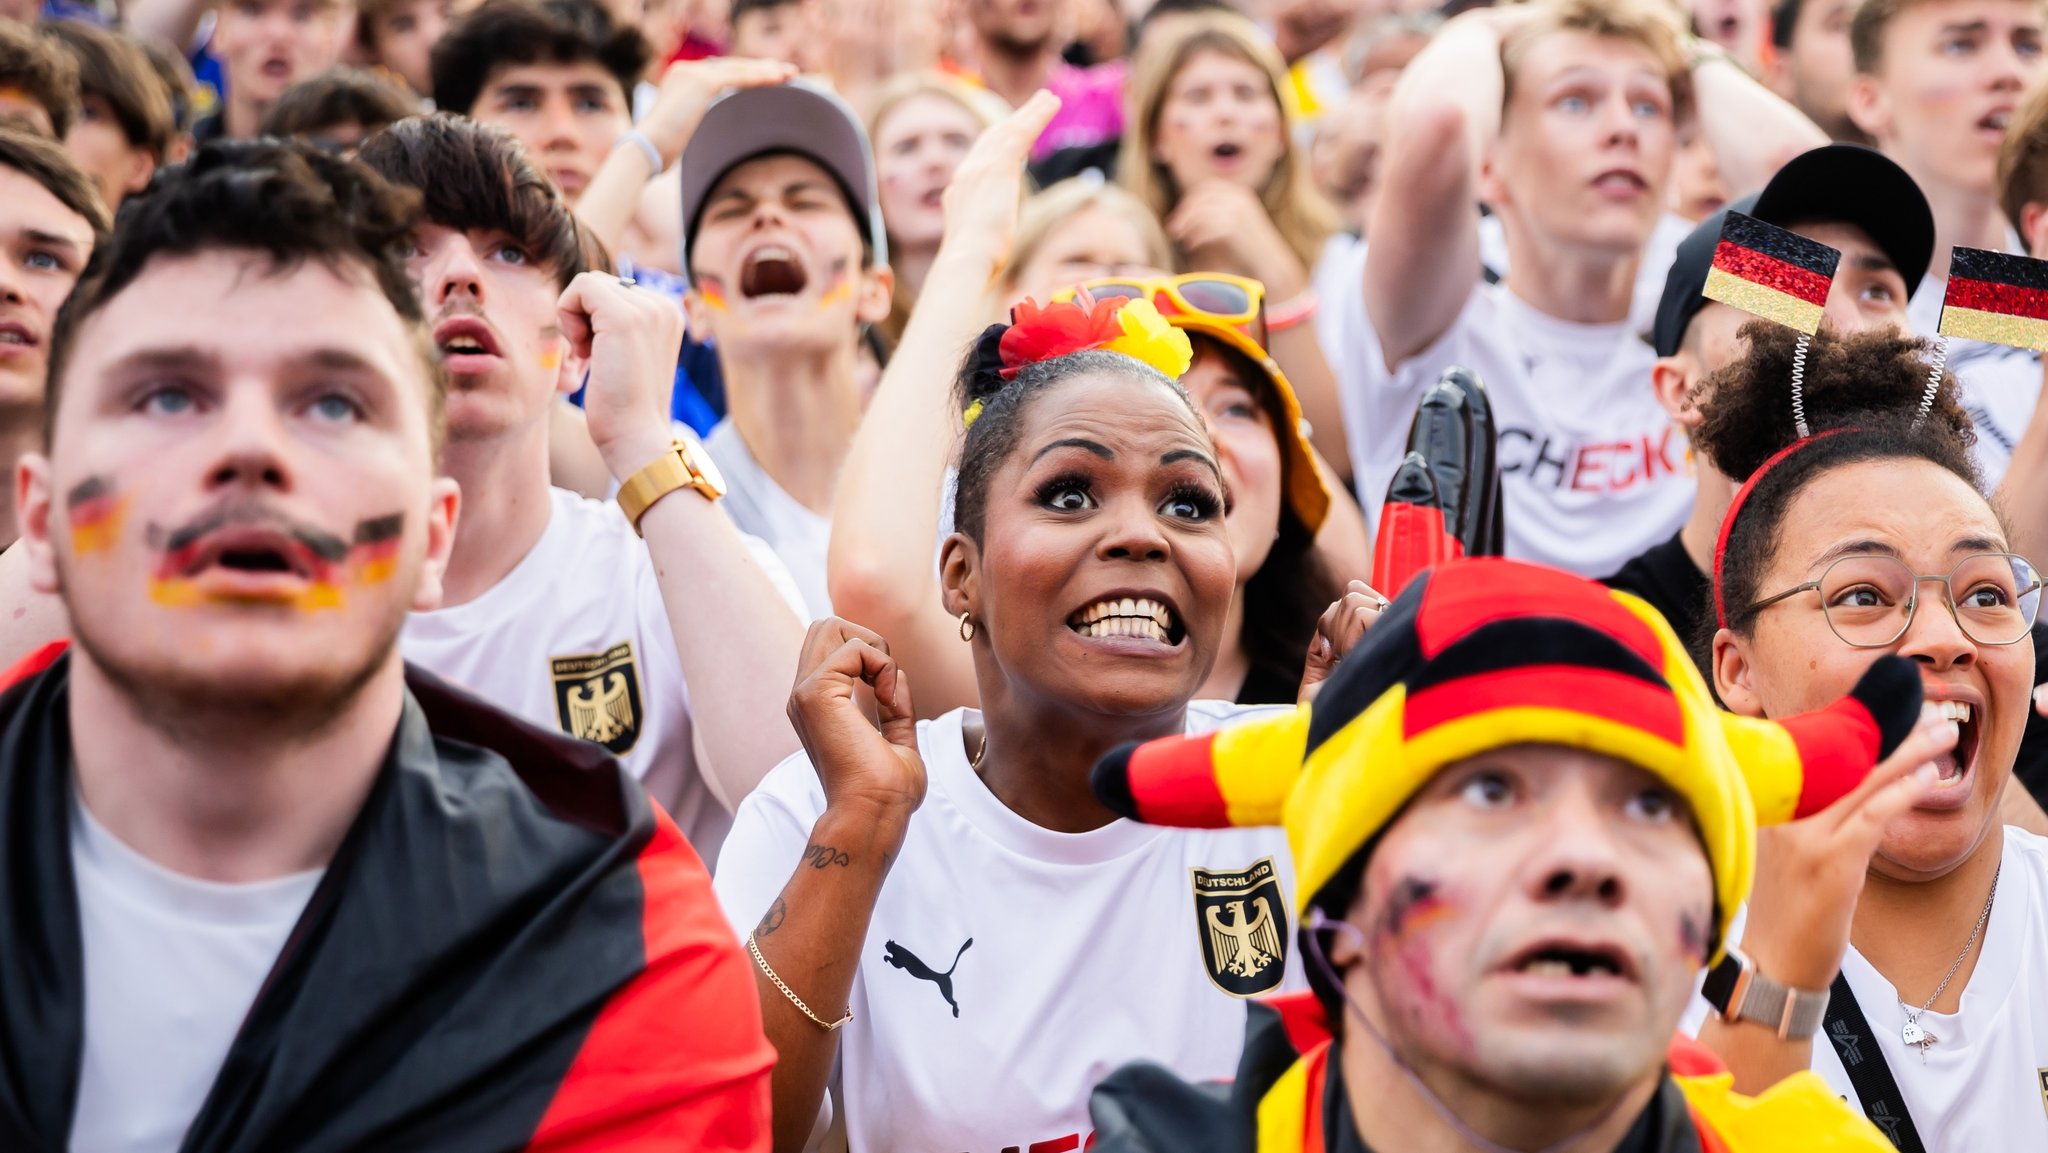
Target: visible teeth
<point>11,337</point>
<point>1548,968</point>
<point>772,252</point>
<point>463,344</point>
<point>1957,711</point>
<point>1122,626</point>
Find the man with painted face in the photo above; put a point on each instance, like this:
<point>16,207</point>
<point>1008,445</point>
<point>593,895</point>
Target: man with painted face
<point>271,887</point>
<point>673,653</point>
<point>1519,828</point>
<point>788,262</point>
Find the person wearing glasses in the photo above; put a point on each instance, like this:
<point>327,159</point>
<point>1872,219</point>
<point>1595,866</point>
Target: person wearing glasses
<point>1872,536</point>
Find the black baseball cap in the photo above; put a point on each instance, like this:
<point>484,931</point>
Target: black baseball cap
<point>1836,183</point>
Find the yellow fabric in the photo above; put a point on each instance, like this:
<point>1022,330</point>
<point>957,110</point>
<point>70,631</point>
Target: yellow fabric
<point>1283,1112</point>
<point>1360,777</point>
<point>1797,1115</point>
<point>1256,766</point>
<point>1149,338</point>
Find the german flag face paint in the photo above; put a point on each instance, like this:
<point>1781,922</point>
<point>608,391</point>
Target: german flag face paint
<point>96,512</point>
<point>1778,275</point>
<point>374,555</point>
<point>1996,297</point>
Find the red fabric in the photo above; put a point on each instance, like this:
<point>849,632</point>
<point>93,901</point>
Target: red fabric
<point>1041,333</point>
<point>1837,746</point>
<point>1618,697</point>
<point>1412,539</point>
<point>677,1059</point>
<point>1990,296</point>
<point>1688,1058</point>
<point>1174,784</point>
<point>1302,1018</point>
<point>1777,275</point>
<point>1312,1112</point>
<point>33,663</point>
<point>1488,589</point>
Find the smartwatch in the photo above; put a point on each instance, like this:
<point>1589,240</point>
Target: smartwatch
<point>1738,992</point>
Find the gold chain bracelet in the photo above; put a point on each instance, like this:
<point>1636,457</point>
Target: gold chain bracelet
<point>790,993</point>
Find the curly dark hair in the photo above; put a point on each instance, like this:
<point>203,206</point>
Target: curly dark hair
<point>1865,389</point>
<point>281,199</point>
<point>506,32</point>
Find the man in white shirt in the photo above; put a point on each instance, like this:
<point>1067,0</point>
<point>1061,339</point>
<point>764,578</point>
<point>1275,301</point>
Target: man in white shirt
<point>677,655</point>
<point>1937,84</point>
<point>270,888</point>
<point>788,262</point>
<point>1562,117</point>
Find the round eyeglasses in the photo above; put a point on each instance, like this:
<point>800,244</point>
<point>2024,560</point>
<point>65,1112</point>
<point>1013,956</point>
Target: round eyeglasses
<point>1869,601</point>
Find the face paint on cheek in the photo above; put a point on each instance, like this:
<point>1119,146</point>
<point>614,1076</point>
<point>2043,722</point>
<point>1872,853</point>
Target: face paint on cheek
<point>1413,904</point>
<point>96,512</point>
<point>840,290</point>
<point>1692,934</point>
<point>712,290</point>
<point>551,347</point>
<point>374,556</point>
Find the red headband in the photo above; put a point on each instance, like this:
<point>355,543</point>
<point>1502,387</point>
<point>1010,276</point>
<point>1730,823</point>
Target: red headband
<point>1735,510</point>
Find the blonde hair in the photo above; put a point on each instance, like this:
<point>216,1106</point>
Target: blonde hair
<point>1304,218</point>
<point>1651,24</point>
<point>985,108</point>
<point>1061,202</point>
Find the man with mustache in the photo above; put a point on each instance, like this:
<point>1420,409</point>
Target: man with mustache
<point>273,888</point>
<point>675,653</point>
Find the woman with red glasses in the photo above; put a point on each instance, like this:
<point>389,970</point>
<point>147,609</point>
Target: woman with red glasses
<point>1872,536</point>
<point>1298,538</point>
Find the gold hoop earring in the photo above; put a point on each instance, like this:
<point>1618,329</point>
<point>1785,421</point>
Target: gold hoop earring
<point>966,626</point>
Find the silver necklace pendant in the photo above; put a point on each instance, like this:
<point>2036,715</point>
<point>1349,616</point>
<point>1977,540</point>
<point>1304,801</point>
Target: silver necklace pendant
<point>1913,1034</point>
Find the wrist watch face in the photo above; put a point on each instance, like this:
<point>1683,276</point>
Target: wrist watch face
<point>1719,986</point>
<point>710,481</point>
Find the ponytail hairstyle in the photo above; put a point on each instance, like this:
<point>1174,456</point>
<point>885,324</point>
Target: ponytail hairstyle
<point>1862,393</point>
<point>1013,364</point>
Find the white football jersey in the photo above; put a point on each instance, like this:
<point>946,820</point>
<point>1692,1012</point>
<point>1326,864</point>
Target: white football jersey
<point>575,637</point>
<point>1009,968</point>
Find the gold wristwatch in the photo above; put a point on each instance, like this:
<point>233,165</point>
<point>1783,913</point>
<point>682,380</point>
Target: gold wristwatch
<point>685,465</point>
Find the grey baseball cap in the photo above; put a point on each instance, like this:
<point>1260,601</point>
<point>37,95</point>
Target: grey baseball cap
<point>798,118</point>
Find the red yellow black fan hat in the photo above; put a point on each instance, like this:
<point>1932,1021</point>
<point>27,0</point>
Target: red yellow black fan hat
<point>1485,653</point>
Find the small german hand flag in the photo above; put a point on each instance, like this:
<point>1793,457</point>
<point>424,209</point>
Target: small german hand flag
<point>1997,297</point>
<point>1778,275</point>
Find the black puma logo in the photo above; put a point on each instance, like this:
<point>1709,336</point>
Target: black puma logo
<point>908,961</point>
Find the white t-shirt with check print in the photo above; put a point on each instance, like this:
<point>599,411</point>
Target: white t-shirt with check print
<point>576,637</point>
<point>1063,955</point>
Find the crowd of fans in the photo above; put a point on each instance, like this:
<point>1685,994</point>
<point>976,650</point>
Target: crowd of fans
<point>812,575</point>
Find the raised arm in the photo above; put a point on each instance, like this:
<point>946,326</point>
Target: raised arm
<point>687,89</point>
<point>1753,130</point>
<point>175,22</point>
<point>885,517</point>
<point>2024,489</point>
<point>735,635</point>
<point>812,933</point>
<point>1424,259</point>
